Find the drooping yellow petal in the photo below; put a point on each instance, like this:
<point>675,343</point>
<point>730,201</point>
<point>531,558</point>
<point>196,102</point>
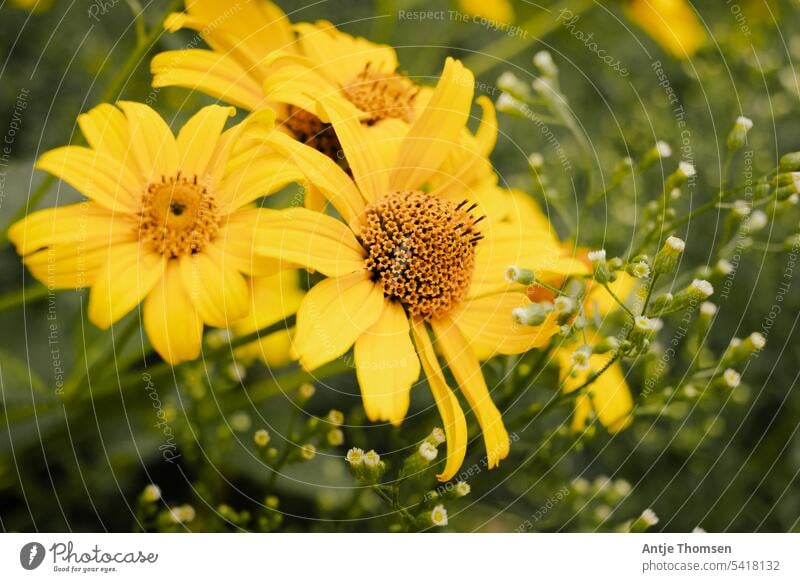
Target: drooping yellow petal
<point>672,23</point>
<point>106,130</point>
<point>311,239</point>
<point>326,175</point>
<point>333,315</point>
<point>152,143</point>
<point>172,324</point>
<point>96,175</point>
<point>486,136</point>
<point>387,365</point>
<point>129,274</point>
<point>609,395</point>
<point>436,130</point>
<point>455,424</point>
<point>220,293</point>
<point>344,56</point>
<point>198,139</point>
<point>467,371</point>
<point>363,158</point>
<point>203,70</point>
<point>78,227</point>
<point>487,322</point>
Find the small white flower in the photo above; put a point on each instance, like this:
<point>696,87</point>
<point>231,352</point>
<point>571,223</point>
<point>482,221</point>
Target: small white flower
<point>648,324</point>
<point>597,256</point>
<point>705,288</point>
<point>355,456</point>
<point>564,304</point>
<point>439,516</point>
<point>675,194</point>
<point>544,60</point>
<point>580,358</point>
<point>649,516</point>
<point>261,438</point>
<point>686,169</point>
<point>372,459</point>
<point>663,149</point>
<point>427,451</point>
<point>462,489</point>
<point>306,391</point>
<point>744,122</point>
<point>335,417</point>
<point>152,493</point>
<point>641,270</point>
<point>438,436</point>
<point>735,342</point>
<point>622,487</point>
<point>758,340</point>
<point>241,422</point>
<point>724,266</point>
<point>756,221</point>
<point>794,198</point>
<point>308,451</point>
<point>536,160</point>
<point>708,308</point>
<point>335,437</point>
<point>675,244</point>
<point>698,530</point>
<point>732,378</point>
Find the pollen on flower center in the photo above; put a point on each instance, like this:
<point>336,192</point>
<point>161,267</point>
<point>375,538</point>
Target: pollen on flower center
<point>178,217</point>
<point>382,95</point>
<point>421,249</point>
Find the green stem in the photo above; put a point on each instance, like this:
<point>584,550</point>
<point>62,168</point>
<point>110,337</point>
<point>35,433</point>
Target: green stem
<point>618,300</point>
<point>23,296</point>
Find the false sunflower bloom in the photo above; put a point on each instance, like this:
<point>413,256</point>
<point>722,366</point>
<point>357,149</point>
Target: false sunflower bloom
<point>405,260</point>
<point>259,59</point>
<point>672,23</point>
<point>168,221</point>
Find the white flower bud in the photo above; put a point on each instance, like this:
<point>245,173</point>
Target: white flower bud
<point>261,438</point>
<point>355,456</point>
<point>731,378</point>
<point>335,417</point>
<point>427,451</point>
<point>437,436</point>
<point>708,309</point>
<point>580,358</point>
<point>439,516</point>
<point>151,493</point>
<point>335,437</point>
<point>308,451</point>
<point>686,169</point>
<point>649,516</point>
<point>544,61</point>
<point>462,489</point>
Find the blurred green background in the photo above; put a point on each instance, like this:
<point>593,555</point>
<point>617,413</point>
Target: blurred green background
<point>725,464</point>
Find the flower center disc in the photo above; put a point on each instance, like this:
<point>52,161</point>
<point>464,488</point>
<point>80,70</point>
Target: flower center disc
<point>382,95</point>
<point>178,217</point>
<point>422,250</point>
<point>307,128</point>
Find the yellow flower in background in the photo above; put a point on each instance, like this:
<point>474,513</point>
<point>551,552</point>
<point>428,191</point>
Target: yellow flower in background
<point>494,10</point>
<point>259,59</point>
<point>672,23</point>
<point>274,298</point>
<point>168,221</point>
<point>33,5</point>
<point>407,259</point>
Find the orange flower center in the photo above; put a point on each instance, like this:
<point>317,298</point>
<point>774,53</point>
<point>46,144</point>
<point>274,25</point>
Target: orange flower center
<point>382,95</point>
<point>421,249</point>
<point>178,217</point>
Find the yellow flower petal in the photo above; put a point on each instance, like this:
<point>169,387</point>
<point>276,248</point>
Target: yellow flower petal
<point>106,130</point>
<point>324,173</point>
<point>199,137</point>
<point>76,226</point>
<point>311,239</point>
<point>672,23</point>
<point>500,11</point>
<point>235,240</point>
<point>364,160</point>
<point>488,323</point>
<point>152,142</point>
<point>203,70</point>
<point>220,293</point>
<point>455,425</point>
<point>436,130</point>
<point>264,175</point>
<point>96,175</point>
<point>387,365</point>
<point>333,315</point>
<point>67,267</point>
<point>129,274</point>
<point>465,368</point>
<point>344,56</point>
<point>172,324</point>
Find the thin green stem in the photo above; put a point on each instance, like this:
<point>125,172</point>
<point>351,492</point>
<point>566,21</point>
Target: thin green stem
<point>618,300</point>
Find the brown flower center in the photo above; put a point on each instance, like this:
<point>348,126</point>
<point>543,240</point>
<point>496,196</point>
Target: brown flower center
<point>422,250</point>
<point>178,217</point>
<point>307,128</point>
<point>382,95</point>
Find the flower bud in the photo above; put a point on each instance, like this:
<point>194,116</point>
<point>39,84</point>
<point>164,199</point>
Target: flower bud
<point>544,62</point>
<point>662,303</point>
<point>428,451</point>
<point>658,152</point>
<point>643,329</point>
<point>638,269</point>
<point>522,276</point>
<point>738,135</point>
<point>437,437</point>
<point>305,392</point>
<point>462,489</point>
<point>513,85</point>
<point>644,522</point>
<point>755,222</point>
<point>698,291</point>
<point>532,314</point>
<point>680,176</point>
<point>741,350</point>
<point>790,162</point>
<point>335,417</point>
<point>581,357</point>
<point>355,460</point>
<point>151,493</point>
<point>602,274</point>
<point>512,106</point>
<point>335,437</point>
<point>308,452</point>
<point>261,438</point>
<point>536,161</point>
<point>667,258</point>
<point>438,516</point>
<point>623,169</point>
<point>730,379</point>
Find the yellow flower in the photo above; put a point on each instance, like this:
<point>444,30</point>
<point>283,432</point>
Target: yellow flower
<point>406,257</point>
<point>672,23</point>
<point>256,61</point>
<point>168,221</point>
<point>494,10</point>
<point>274,298</point>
